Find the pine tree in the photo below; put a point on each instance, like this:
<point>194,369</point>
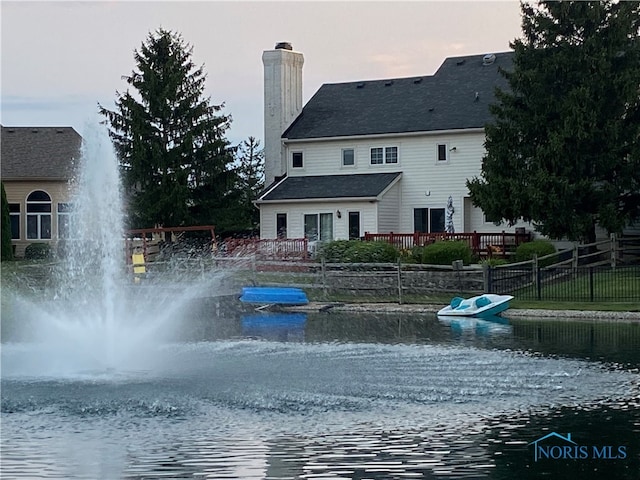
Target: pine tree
<point>564,148</point>
<point>169,138</point>
<point>250,159</point>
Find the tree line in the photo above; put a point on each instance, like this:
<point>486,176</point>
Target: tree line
<point>562,150</point>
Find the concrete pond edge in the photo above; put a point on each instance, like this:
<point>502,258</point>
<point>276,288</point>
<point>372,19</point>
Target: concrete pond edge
<point>429,308</point>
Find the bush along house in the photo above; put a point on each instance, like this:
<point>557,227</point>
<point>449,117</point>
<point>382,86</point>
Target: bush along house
<point>376,156</point>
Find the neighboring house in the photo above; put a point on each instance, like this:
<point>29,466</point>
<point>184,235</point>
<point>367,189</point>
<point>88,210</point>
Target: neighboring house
<point>37,165</point>
<point>375,156</point>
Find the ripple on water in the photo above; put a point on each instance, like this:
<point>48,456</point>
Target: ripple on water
<point>254,409</point>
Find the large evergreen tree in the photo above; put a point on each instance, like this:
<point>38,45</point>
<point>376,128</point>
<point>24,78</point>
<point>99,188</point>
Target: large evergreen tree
<point>564,148</point>
<point>170,139</point>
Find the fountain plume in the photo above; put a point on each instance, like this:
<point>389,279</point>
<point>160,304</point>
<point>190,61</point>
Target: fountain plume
<point>97,319</point>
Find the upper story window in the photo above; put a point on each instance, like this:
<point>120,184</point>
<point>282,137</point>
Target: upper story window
<point>443,152</point>
<point>296,160</point>
<point>380,155</point>
<point>391,155</point>
<point>38,216</point>
<point>348,157</point>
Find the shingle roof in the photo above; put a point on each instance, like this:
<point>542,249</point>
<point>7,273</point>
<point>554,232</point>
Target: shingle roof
<point>39,152</point>
<point>446,100</point>
<point>366,185</point>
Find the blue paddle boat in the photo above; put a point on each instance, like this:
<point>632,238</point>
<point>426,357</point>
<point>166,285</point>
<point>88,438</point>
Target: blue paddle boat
<point>268,296</point>
<point>482,306</point>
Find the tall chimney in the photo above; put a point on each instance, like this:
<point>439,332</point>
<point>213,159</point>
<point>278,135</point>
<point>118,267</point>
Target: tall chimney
<point>282,103</point>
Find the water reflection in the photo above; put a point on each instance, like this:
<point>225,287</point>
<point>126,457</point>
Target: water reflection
<point>492,325</point>
<point>284,327</point>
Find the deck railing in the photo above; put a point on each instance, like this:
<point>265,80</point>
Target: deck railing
<point>501,244</point>
<point>277,248</point>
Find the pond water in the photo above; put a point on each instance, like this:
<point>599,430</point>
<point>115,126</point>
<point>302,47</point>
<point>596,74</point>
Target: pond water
<point>330,395</point>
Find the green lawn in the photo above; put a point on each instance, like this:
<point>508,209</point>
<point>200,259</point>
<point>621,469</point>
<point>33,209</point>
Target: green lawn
<point>598,287</point>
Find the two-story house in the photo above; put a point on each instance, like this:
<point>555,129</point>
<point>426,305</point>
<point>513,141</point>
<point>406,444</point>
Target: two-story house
<point>375,156</point>
<point>37,164</point>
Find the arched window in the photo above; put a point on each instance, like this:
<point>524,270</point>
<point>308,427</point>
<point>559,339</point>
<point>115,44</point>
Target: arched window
<point>38,216</point>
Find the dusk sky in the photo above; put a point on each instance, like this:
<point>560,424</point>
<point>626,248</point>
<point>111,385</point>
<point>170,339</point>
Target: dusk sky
<point>59,59</point>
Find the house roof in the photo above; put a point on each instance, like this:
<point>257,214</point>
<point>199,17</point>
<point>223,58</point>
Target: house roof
<point>368,185</point>
<point>39,152</point>
<point>457,96</point>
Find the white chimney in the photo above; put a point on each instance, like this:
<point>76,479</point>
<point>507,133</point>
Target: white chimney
<point>282,103</point>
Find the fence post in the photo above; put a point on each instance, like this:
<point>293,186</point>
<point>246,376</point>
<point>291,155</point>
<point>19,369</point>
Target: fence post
<point>399,281</point>
<point>254,269</point>
<point>323,270</point>
<point>614,250</point>
<point>537,277</point>
<point>591,284</point>
<point>456,266</point>
<point>486,276</point>
<point>574,259</point>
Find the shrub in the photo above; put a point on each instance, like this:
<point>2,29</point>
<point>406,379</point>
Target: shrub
<point>372,252</point>
<point>446,252</point>
<point>356,251</point>
<point>37,251</point>
<point>334,252</point>
<point>540,248</point>
<point>412,255</point>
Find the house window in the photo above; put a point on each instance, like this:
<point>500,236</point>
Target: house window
<point>391,155</point>
<point>296,159</point>
<point>377,156</point>
<point>381,155</point>
<point>14,213</point>
<point>281,225</point>
<point>348,157</point>
<point>39,216</point>
<point>354,225</point>
<point>443,152</point>
<point>436,220</point>
<point>428,220</point>
<point>318,227</point>
<point>64,227</point>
